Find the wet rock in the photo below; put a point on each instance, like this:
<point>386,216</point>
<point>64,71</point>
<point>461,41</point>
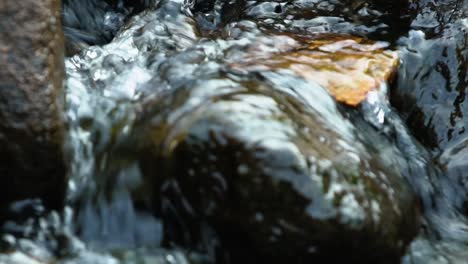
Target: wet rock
<point>233,136</point>
<point>268,162</point>
<point>430,95</point>
<point>374,19</point>
<point>90,22</point>
<point>104,87</point>
<point>212,15</point>
<point>263,157</point>
<point>95,22</point>
<point>454,168</point>
<point>433,77</point>
<point>31,127</point>
<point>348,67</point>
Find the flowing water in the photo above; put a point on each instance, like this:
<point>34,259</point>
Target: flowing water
<point>169,65</point>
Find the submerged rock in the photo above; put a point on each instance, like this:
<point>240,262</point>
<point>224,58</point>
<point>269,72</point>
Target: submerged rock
<point>259,156</point>
<point>31,127</point>
<point>348,67</point>
<point>267,161</point>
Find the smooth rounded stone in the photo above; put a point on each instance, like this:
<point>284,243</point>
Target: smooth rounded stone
<point>269,163</point>
<point>31,127</point>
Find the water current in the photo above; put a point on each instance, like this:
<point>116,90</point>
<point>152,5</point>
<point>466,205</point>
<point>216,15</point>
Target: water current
<point>141,105</point>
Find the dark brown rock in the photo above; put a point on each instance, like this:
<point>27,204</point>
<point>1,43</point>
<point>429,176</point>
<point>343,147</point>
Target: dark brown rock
<point>279,174</point>
<point>31,125</point>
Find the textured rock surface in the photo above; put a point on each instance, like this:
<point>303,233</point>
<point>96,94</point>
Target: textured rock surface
<point>31,127</point>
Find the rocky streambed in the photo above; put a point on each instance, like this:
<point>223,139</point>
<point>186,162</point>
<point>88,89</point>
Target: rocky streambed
<point>234,132</point>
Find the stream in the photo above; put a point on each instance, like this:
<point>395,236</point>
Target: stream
<point>203,131</point>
